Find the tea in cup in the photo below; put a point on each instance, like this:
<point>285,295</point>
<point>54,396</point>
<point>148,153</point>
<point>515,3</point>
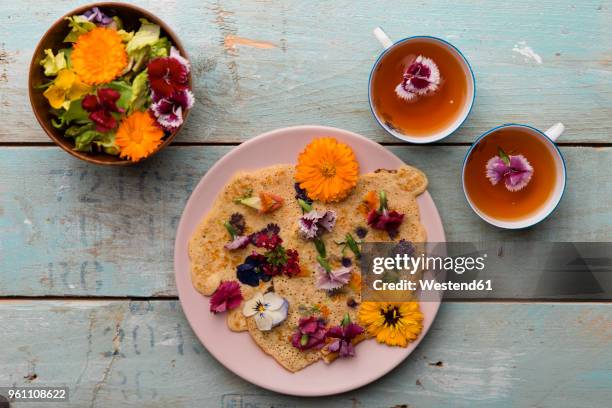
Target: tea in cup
<point>421,88</point>
<point>514,175</point>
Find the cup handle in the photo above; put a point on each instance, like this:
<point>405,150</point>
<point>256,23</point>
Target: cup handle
<point>555,131</point>
<point>382,37</point>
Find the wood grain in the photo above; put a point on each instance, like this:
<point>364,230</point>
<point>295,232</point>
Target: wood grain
<point>143,354</point>
<point>264,65</point>
<point>72,229</point>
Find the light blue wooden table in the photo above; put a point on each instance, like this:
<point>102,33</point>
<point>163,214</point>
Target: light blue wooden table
<point>87,290</point>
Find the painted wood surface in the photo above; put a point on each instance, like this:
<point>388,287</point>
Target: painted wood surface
<point>262,65</point>
<point>143,354</point>
<point>69,228</point>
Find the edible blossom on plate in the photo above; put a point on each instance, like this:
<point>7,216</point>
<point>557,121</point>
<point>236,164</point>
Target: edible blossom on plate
<point>314,223</point>
<point>65,88</point>
<point>514,170</point>
<point>267,237</point>
<point>250,272</point>
<point>310,334</point>
<point>331,279</point>
<point>101,108</point>
<point>264,202</point>
<point>327,170</point>
<point>227,296</point>
<point>383,219</point>
<point>392,323</point>
<point>343,337</point>
<point>235,227</point>
<point>268,310</point>
<point>138,136</point>
<point>422,77</point>
<point>99,56</point>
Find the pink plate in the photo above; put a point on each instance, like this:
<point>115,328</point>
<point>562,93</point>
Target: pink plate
<point>237,351</point>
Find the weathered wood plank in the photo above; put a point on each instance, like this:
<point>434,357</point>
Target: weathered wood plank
<point>135,354</point>
<point>68,228</point>
<point>309,62</point>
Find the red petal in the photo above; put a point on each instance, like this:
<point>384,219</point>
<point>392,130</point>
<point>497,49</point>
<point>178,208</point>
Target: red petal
<point>90,103</point>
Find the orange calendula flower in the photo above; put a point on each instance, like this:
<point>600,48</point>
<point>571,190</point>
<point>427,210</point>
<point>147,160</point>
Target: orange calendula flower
<point>99,56</point>
<point>138,136</point>
<point>327,170</point>
<point>392,323</point>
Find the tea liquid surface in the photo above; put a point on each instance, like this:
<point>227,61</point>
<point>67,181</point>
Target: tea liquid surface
<point>495,200</point>
<point>429,114</point>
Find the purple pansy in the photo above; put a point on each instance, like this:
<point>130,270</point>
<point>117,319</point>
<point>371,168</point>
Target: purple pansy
<point>514,170</point>
<point>420,78</point>
<point>314,223</point>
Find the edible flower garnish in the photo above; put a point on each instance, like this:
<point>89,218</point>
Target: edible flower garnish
<point>99,56</point>
<point>53,63</point>
<point>392,323</point>
<point>514,170</point>
<point>314,223</point>
<point>169,110</point>
<point>101,108</point>
<point>264,202</point>
<point>300,194</point>
<point>331,279</point>
<point>65,88</point>
<point>268,237</point>
<point>268,310</point>
<point>251,271</point>
<point>383,219</point>
<point>327,170</point>
<point>422,77</point>
<point>95,15</point>
<point>227,296</point>
<point>344,336</point>
<point>138,136</point>
<point>310,334</point>
<point>235,228</point>
<point>168,75</point>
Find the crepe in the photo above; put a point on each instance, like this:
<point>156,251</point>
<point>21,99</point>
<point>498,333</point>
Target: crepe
<point>211,263</point>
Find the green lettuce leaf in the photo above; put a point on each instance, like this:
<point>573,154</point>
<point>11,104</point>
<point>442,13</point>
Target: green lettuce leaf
<point>78,25</point>
<point>160,48</point>
<point>75,130</point>
<point>147,34</point>
<point>125,36</point>
<point>125,90</point>
<point>139,59</point>
<point>53,63</point>
<point>140,92</point>
<point>74,113</point>
<point>82,143</point>
<point>107,143</point>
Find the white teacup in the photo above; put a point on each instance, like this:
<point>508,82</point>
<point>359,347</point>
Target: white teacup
<point>548,137</point>
<point>388,46</point>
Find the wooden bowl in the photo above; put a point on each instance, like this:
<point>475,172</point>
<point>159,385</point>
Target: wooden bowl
<point>53,39</point>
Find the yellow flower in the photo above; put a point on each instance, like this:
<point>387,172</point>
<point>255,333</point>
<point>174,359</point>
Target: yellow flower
<point>138,136</point>
<point>392,323</point>
<point>327,170</point>
<point>65,88</point>
<point>99,56</point>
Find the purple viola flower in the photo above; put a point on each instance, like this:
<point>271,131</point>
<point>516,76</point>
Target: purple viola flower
<point>169,110</point>
<point>314,223</point>
<point>422,77</point>
<point>514,170</point>
<point>333,278</point>
<point>96,16</point>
